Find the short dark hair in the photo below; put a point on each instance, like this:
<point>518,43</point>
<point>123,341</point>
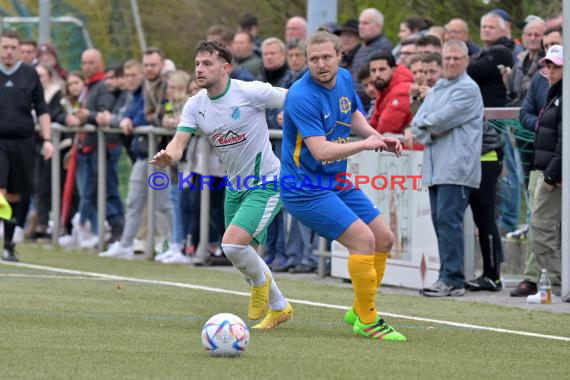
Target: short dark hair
<point>428,40</point>
<point>554,29</point>
<point>363,73</point>
<point>215,46</point>
<point>225,34</point>
<point>154,50</point>
<point>417,23</point>
<point>432,57</point>
<point>383,56</point>
<point>29,42</point>
<point>296,43</point>
<point>415,58</point>
<point>77,74</point>
<point>247,21</point>
<point>248,34</point>
<point>408,41</point>
<point>11,34</point>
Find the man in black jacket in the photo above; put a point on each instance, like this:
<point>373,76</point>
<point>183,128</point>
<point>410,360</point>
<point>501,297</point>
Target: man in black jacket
<point>20,92</point>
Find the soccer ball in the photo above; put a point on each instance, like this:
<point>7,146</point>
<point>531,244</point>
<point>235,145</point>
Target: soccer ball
<point>225,335</point>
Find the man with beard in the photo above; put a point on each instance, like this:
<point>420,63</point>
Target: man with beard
<point>392,109</point>
<point>231,114</point>
<point>320,115</point>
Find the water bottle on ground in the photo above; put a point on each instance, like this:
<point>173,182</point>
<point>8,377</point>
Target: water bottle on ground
<point>545,288</point>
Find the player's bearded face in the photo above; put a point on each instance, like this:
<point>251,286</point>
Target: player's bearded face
<point>209,70</point>
<point>323,61</point>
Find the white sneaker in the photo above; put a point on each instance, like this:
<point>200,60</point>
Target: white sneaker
<point>139,246</point>
<point>177,258</point>
<point>68,241</point>
<point>165,255</point>
<point>89,243</point>
<point>117,251</point>
<point>172,251</point>
<point>18,235</point>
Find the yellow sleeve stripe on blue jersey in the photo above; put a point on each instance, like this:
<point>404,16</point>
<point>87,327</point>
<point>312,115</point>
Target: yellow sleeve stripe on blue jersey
<point>186,129</point>
<point>297,153</point>
<point>341,123</point>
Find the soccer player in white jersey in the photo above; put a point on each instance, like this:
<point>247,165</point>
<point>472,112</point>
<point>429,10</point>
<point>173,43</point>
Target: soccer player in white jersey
<point>231,113</point>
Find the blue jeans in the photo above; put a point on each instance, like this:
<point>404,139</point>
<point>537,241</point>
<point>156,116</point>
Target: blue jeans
<point>299,245</point>
<point>448,204</point>
<point>87,184</point>
<point>276,240</point>
<point>186,211</point>
<point>510,188</point>
<point>178,235</point>
<point>115,210</point>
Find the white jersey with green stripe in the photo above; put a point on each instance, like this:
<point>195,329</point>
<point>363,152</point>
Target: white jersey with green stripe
<point>235,124</point>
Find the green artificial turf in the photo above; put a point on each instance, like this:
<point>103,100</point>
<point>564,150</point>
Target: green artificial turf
<point>55,325</point>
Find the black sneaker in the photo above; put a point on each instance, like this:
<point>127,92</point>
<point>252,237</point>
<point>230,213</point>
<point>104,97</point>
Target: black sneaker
<point>524,289</point>
<point>484,283</point>
<point>303,268</point>
<point>9,254</point>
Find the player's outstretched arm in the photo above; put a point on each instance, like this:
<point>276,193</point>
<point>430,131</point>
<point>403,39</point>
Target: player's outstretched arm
<point>323,150</point>
<point>173,151</point>
<point>361,128</point>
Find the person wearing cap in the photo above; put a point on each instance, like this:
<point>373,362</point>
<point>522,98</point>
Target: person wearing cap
<point>47,55</point>
<point>546,218</point>
<point>504,15</point>
<point>350,39</point>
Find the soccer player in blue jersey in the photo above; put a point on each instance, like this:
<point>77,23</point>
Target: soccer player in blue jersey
<point>320,114</point>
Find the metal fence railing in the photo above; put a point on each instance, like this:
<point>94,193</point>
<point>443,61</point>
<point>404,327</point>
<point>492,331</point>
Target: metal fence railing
<point>154,133</point>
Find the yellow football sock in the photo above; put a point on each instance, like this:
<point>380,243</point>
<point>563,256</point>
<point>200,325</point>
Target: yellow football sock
<point>363,276</point>
<point>380,266</point>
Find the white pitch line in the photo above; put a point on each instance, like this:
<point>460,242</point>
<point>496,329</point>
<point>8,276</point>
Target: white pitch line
<point>50,276</point>
<point>301,302</point>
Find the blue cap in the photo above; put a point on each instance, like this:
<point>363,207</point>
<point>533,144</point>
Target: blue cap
<point>502,14</point>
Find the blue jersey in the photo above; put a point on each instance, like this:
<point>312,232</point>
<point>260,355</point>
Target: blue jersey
<point>313,110</point>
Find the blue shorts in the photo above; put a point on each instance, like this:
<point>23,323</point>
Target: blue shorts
<point>330,212</point>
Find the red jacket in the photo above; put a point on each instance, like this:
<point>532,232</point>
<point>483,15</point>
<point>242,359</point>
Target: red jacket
<point>392,109</point>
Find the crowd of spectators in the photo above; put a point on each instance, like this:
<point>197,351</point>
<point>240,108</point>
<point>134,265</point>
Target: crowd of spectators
<point>401,87</point>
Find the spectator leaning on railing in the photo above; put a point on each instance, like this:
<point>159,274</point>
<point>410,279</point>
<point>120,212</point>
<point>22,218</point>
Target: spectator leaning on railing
<point>42,196</point>
<point>138,185</point>
<point>546,218</point>
<point>392,109</point>
<point>98,99</point>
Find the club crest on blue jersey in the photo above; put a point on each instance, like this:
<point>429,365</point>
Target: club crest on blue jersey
<point>344,104</point>
<point>236,112</point>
